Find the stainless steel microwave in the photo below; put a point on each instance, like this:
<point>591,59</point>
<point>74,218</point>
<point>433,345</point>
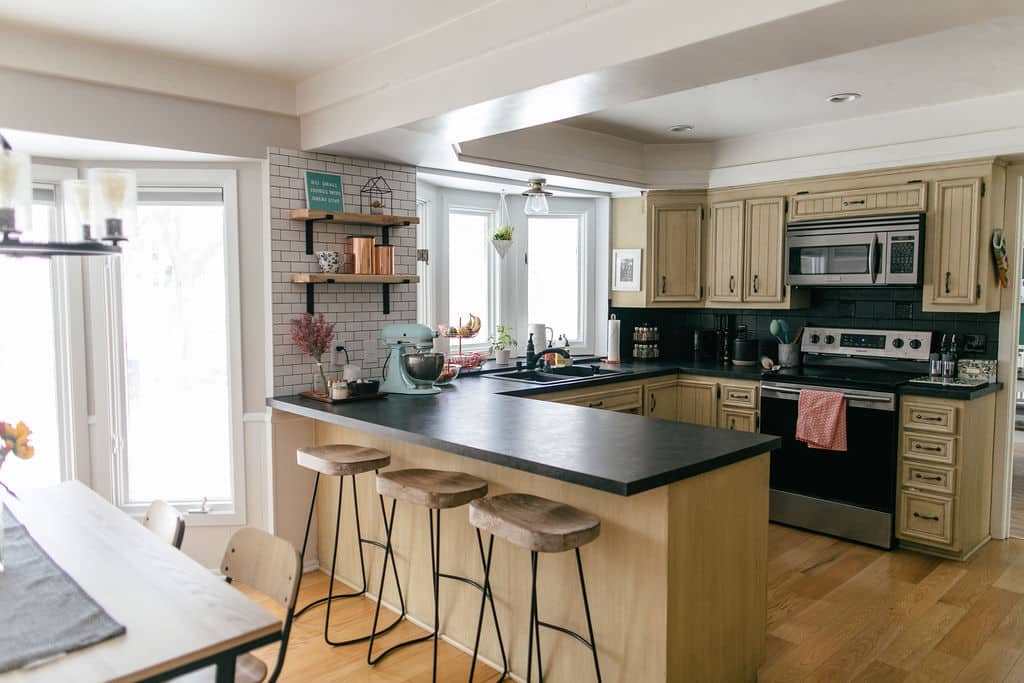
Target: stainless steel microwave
<point>856,252</point>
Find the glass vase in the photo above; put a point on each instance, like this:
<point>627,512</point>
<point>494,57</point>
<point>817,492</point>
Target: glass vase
<point>320,379</point>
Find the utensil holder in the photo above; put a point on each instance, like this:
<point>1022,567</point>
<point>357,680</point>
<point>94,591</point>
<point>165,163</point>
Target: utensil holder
<point>789,355</point>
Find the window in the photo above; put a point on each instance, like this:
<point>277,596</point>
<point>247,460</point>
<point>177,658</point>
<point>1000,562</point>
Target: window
<point>30,387</point>
<point>555,274</point>
<point>470,289</point>
<point>175,392</point>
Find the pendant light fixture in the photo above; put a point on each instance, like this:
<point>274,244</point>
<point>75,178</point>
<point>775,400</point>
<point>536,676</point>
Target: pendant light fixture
<point>98,210</point>
<point>537,198</point>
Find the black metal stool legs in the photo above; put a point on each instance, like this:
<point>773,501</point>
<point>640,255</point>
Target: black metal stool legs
<point>330,597</point>
<point>487,595</point>
<point>434,518</point>
<point>536,623</point>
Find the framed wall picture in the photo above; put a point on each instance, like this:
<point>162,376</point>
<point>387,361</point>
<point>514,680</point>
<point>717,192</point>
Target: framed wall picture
<point>324,191</point>
<point>626,270</point>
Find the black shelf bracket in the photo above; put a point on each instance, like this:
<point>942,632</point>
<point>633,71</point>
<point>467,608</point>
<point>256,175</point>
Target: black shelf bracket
<point>310,292</point>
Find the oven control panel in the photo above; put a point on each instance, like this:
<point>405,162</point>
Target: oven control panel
<point>905,345</point>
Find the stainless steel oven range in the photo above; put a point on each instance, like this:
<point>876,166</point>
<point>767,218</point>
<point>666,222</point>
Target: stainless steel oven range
<point>850,494</point>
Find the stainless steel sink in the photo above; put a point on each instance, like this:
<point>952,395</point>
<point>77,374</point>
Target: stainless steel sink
<point>563,375</point>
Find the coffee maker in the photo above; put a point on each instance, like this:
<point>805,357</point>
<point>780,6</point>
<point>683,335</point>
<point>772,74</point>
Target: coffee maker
<point>725,332</point>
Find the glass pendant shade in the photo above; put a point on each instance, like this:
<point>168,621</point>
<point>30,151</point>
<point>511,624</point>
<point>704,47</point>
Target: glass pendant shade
<point>536,205</point>
<point>15,192</point>
<point>112,199</point>
<point>75,194</point>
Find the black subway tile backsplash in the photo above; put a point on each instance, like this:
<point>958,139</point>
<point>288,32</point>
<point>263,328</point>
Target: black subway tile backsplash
<point>867,308</point>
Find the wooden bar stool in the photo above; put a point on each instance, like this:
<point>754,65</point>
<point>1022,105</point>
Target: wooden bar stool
<point>435,490</point>
<point>345,460</point>
<point>541,526</point>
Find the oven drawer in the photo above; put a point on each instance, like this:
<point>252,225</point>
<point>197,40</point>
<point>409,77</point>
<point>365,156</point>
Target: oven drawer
<point>929,477</point>
<point>930,417</point>
<point>739,395</point>
<point>926,518</point>
<point>930,447</point>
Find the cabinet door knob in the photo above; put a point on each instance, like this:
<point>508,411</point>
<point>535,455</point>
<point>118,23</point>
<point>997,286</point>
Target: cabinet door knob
<point>755,283</point>
<point>663,282</point>
<point>947,281</point>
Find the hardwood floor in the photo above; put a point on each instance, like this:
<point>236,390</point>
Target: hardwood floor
<point>1017,486</point>
<point>309,659</point>
<point>836,612</point>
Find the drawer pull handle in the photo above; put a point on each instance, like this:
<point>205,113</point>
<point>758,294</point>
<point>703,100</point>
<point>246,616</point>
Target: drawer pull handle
<point>596,404</point>
<point>930,518</point>
<point>663,283</point>
<point>732,284</point>
<point>947,281</point>
<point>732,423</point>
<point>755,283</point>
<point>933,449</point>
<point>855,202</point>
<point>654,402</point>
<point>919,416</point>
<point>927,478</point>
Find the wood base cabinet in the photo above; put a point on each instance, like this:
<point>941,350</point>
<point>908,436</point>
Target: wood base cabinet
<point>945,474</point>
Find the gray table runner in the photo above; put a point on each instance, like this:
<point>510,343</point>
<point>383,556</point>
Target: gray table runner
<point>43,612</point>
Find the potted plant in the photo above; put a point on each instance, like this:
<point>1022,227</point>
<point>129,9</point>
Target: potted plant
<point>377,207</point>
<point>13,439</point>
<point>314,336</point>
<point>501,344</point>
<point>502,239</point>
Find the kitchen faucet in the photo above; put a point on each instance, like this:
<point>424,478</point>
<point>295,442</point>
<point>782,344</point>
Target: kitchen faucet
<point>533,358</point>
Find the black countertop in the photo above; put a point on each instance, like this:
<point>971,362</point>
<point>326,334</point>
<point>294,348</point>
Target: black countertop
<point>488,419</point>
<point>954,393</point>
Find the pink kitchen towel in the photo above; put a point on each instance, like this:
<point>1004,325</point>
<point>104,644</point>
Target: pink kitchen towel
<point>821,420</point>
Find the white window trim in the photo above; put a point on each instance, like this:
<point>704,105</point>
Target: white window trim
<point>467,205</point>
<point>109,361</point>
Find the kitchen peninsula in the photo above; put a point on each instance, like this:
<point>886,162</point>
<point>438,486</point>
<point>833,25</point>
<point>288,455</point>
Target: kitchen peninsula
<point>677,577</point>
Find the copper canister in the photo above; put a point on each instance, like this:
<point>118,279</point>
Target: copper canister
<point>384,259</point>
<point>362,254</point>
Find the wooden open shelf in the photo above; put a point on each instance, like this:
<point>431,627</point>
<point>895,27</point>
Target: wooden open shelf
<point>385,282</point>
<point>349,278</point>
<point>385,223</point>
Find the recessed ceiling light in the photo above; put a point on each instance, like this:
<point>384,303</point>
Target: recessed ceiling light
<point>681,128</point>
<point>841,97</point>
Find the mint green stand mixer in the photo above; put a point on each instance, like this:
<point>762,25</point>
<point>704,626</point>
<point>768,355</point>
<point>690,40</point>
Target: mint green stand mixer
<point>410,368</point>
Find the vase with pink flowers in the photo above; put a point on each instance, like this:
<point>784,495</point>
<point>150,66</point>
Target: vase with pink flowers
<point>313,334</point>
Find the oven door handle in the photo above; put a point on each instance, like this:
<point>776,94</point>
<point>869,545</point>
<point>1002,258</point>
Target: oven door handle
<point>850,396</point>
<point>873,258</point>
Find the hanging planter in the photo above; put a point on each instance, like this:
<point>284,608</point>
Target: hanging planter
<point>502,237</point>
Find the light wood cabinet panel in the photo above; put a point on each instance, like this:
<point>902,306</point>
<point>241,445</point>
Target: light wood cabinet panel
<point>955,245</point>
<point>764,258</point>
<point>675,241</point>
<point>661,399</point>
<point>926,518</point>
<point>906,198</point>
<point>726,252</point>
<point>928,416</point>
<point>737,419</point>
<point>697,401</point>
<point>929,447</point>
<point>929,477</point>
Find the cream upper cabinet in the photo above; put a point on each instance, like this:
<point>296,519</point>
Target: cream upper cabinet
<point>905,198</point>
<point>763,253</point>
<point>726,252</point>
<point>956,228</point>
<point>674,236</point>
<point>746,254</point>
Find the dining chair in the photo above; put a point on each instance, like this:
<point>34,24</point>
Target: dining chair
<point>271,566</point>
<point>164,520</point>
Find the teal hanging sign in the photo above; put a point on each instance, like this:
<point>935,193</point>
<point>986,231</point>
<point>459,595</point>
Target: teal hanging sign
<point>324,192</point>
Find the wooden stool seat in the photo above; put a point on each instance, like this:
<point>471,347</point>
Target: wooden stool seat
<point>342,459</point>
<point>436,489</point>
<point>535,523</point>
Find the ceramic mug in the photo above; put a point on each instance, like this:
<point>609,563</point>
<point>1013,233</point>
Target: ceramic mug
<point>328,261</point>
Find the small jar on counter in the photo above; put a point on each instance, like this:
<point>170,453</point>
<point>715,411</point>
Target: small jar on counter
<point>339,390</point>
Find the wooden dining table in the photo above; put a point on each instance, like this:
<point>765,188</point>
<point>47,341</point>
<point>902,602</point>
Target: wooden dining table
<point>179,616</point>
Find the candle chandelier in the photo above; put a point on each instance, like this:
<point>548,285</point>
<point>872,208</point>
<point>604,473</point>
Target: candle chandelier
<point>98,212</point>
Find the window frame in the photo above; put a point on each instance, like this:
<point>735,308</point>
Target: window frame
<point>585,263</point>
<point>442,301</point>
<point>109,361</point>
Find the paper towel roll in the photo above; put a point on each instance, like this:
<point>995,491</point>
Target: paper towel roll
<point>614,327</point>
